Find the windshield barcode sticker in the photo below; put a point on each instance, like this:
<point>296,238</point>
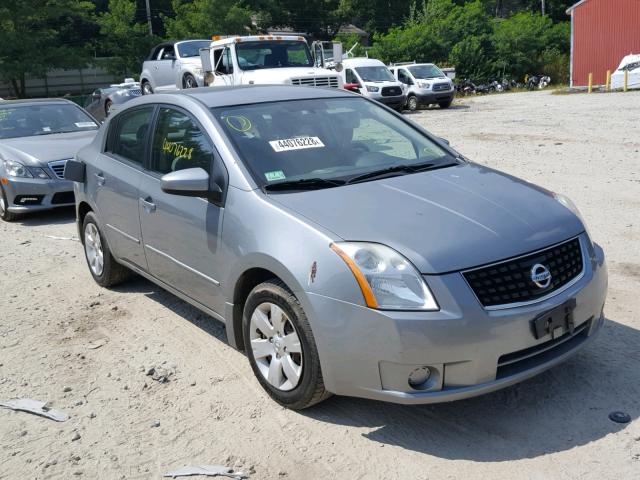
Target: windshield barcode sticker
<point>298,143</point>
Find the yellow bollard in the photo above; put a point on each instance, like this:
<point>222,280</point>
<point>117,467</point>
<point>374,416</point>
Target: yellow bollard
<point>608,87</point>
<point>626,81</point>
<point>590,83</point>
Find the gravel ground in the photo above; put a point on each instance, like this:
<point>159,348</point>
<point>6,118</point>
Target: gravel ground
<point>125,424</point>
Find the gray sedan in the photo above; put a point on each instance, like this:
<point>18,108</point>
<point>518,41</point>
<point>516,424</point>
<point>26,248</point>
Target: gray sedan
<point>37,137</point>
<point>346,249</point>
<point>103,100</point>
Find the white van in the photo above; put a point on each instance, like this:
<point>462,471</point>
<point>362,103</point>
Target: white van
<point>631,64</point>
<point>425,84</point>
<point>371,78</point>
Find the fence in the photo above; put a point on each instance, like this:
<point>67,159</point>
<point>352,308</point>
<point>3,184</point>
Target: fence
<point>58,83</point>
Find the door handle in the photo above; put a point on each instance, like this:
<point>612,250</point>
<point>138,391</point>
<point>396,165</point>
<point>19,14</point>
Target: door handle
<point>148,205</point>
<point>99,178</point>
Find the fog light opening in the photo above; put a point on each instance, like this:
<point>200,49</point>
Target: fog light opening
<point>419,378</point>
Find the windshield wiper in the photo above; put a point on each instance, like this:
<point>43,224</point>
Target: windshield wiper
<point>304,184</point>
<point>399,169</point>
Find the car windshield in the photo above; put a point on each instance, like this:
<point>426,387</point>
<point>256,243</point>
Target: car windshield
<point>192,49</point>
<point>43,119</point>
<point>276,54</point>
<point>424,72</point>
<point>335,139</point>
<point>375,74</point>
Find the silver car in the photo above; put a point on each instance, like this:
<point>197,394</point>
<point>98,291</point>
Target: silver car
<point>37,137</point>
<point>346,249</point>
<point>104,99</point>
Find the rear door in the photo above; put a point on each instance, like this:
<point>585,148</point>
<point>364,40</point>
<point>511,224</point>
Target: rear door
<point>182,234</point>
<point>115,177</point>
<point>165,73</point>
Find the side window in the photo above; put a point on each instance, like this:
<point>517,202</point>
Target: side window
<point>350,76</point>
<point>404,77</point>
<point>127,136</point>
<point>222,61</point>
<point>168,53</point>
<point>178,143</point>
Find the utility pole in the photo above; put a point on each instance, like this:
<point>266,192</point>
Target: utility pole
<point>151,26</point>
<point>543,9</point>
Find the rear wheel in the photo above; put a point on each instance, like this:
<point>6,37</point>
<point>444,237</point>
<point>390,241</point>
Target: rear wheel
<point>412,103</point>
<point>5,214</point>
<point>281,347</point>
<point>146,88</point>
<point>446,104</point>
<point>103,267</point>
<point>107,107</point>
<point>189,81</point>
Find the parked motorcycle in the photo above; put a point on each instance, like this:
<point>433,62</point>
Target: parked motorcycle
<point>537,81</point>
<point>466,87</point>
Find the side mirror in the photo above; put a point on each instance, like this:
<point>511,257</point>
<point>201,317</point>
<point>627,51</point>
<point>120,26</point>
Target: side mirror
<point>190,182</point>
<point>444,140</point>
<point>354,87</point>
<point>74,170</point>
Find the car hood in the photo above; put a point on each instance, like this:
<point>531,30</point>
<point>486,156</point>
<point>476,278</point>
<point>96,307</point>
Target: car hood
<point>442,220</point>
<point>38,150</point>
<point>284,74</point>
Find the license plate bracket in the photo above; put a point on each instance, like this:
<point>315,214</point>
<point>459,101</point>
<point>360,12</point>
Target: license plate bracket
<point>555,322</point>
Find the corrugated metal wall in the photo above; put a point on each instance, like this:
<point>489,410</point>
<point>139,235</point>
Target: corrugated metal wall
<point>604,31</point>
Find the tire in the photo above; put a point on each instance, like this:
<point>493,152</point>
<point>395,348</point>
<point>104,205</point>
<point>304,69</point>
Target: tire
<point>145,88</point>
<point>412,103</point>
<point>269,300</point>
<point>96,251</point>
<point>5,214</point>
<point>107,107</point>
<point>446,104</point>
<point>189,81</point>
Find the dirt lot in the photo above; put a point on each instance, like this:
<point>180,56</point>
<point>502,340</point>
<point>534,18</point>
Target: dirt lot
<point>213,411</point>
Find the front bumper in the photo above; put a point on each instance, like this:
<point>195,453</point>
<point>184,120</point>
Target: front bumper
<point>49,194</point>
<point>370,353</point>
<point>393,102</point>
<point>427,97</point>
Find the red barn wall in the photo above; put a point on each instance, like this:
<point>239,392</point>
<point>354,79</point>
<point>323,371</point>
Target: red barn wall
<point>603,32</point>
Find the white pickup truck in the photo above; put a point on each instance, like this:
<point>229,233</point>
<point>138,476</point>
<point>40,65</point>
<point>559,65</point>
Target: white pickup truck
<point>265,59</point>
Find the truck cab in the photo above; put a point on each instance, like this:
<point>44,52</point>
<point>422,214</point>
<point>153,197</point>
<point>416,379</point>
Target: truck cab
<point>371,78</point>
<point>173,65</point>
<point>264,59</point>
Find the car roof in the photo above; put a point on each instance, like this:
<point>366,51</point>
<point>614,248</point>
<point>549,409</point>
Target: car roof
<point>362,62</point>
<point>248,94</point>
<point>35,101</point>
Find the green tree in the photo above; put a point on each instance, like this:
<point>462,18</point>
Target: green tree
<point>204,18</point>
<point>38,35</point>
<point>126,41</point>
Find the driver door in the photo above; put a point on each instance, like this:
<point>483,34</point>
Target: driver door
<point>182,234</point>
<point>164,75</point>
<point>223,66</point>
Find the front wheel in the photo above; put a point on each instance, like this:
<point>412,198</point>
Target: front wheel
<point>5,214</point>
<point>412,103</point>
<point>281,347</point>
<point>189,81</point>
<point>103,267</point>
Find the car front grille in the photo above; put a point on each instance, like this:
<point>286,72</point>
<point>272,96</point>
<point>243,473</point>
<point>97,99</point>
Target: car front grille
<point>58,168</point>
<point>391,91</point>
<point>135,92</point>
<point>331,82</point>
<point>440,87</point>
<point>510,281</point>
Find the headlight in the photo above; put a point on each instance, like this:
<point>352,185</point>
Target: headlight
<point>387,280</point>
<point>16,169</point>
<point>40,173</point>
<point>426,85</point>
<point>371,88</point>
<point>566,202</point>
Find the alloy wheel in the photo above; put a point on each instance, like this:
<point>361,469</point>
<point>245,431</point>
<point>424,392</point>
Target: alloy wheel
<point>190,82</point>
<point>412,103</point>
<point>276,346</point>
<point>146,89</point>
<point>93,249</point>
<point>3,206</point>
